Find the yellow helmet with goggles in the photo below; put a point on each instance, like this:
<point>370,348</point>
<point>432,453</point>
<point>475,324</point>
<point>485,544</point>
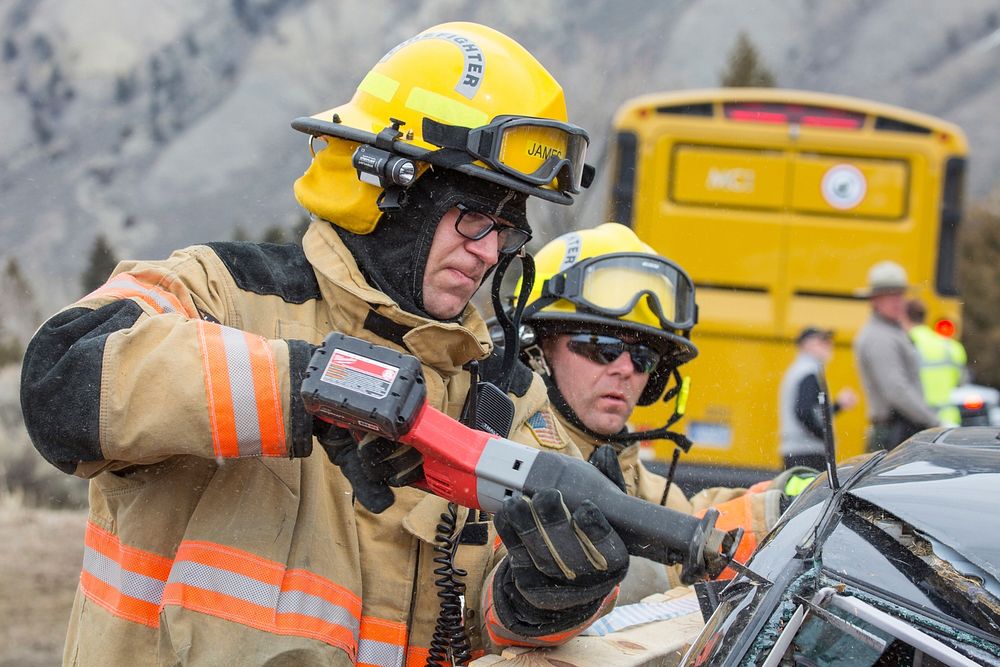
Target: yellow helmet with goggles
<point>458,96</point>
<point>606,279</point>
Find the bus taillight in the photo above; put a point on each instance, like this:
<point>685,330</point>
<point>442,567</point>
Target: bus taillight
<point>945,327</point>
<point>794,114</point>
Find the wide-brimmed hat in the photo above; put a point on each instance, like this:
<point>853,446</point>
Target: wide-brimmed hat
<point>885,278</point>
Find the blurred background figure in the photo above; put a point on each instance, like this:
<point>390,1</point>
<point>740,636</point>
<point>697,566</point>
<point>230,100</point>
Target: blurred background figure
<point>800,413</point>
<point>889,364</point>
<point>942,362</point>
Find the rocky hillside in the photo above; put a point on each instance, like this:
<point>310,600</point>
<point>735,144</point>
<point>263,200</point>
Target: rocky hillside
<point>165,123</point>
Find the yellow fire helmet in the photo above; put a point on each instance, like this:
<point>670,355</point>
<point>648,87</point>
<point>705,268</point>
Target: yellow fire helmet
<point>458,96</point>
<point>606,279</point>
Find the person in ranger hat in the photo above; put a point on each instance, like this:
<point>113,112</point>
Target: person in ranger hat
<point>216,535</point>
<point>799,410</point>
<point>889,364</point>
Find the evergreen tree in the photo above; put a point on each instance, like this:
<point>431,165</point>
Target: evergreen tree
<point>101,263</point>
<point>17,300</point>
<point>744,67</point>
<point>979,282</point>
<point>274,234</point>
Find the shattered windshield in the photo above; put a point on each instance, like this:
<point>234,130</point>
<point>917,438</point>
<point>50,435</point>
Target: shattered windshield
<point>895,562</point>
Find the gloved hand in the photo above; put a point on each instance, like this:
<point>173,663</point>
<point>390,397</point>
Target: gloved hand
<point>372,466</point>
<point>792,482</point>
<point>559,566</point>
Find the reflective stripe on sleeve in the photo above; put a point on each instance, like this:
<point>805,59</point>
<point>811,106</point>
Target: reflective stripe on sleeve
<point>241,386</point>
<point>147,288</point>
<point>126,581</point>
<point>247,589</point>
<point>382,644</point>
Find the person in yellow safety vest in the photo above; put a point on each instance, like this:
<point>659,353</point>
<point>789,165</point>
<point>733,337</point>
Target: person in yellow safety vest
<point>216,535</point>
<point>607,324</point>
<point>942,363</point>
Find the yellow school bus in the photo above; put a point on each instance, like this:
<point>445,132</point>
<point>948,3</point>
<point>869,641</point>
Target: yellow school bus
<point>777,202</point>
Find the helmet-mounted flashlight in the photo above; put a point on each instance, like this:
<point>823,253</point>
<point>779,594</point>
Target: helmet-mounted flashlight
<point>379,167</point>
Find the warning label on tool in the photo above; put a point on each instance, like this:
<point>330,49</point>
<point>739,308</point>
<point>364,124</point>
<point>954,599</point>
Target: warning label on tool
<point>359,374</point>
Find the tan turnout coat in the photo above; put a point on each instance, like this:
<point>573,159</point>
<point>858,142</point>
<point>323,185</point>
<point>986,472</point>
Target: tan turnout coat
<point>206,543</point>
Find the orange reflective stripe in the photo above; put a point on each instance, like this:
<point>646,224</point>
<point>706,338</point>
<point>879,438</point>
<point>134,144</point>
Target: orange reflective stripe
<point>270,422</point>
<point>761,486</point>
<point>382,642</point>
<point>148,288</point>
<point>126,581</point>
<point>241,388</point>
<point>244,588</point>
<point>417,657</point>
<point>500,635</point>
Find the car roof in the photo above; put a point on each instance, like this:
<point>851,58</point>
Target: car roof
<point>945,483</point>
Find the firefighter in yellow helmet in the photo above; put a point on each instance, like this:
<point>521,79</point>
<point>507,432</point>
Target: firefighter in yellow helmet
<point>216,535</point>
<point>608,324</point>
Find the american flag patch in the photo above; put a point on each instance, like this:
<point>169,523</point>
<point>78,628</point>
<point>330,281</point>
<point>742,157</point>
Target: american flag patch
<point>542,425</point>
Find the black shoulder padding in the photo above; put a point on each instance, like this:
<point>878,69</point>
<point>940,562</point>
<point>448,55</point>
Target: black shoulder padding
<point>268,268</point>
<point>491,366</point>
<point>61,381</point>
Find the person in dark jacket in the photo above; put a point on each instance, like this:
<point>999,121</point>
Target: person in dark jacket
<point>800,410</point>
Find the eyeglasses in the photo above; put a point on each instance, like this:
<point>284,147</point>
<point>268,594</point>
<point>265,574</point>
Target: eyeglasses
<point>606,349</point>
<point>475,225</point>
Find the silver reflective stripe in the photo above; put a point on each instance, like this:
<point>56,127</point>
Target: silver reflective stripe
<point>380,653</point>
<point>133,285</point>
<point>241,387</point>
<point>132,584</point>
<point>297,602</point>
<point>223,581</point>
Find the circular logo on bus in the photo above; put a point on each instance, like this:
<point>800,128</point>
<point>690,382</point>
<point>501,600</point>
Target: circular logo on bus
<point>843,186</point>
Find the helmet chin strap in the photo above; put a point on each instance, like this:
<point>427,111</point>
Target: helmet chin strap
<point>511,324</point>
<point>624,437</point>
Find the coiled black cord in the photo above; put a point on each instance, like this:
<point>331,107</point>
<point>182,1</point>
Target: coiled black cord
<point>449,632</point>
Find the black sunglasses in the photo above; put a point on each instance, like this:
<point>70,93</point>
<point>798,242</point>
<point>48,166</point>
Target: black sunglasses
<point>475,225</point>
<point>605,349</point>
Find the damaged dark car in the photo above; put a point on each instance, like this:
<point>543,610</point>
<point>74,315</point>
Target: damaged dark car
<point>893,561</point>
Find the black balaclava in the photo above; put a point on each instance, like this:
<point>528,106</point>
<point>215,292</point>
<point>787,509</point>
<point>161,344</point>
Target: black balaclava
<point>393,256</point>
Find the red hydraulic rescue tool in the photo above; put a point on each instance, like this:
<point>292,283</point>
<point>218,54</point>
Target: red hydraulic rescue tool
<point>361,386</point>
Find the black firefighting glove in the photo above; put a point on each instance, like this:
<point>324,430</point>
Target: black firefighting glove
<point>372,466</point>
<point>559,567</point>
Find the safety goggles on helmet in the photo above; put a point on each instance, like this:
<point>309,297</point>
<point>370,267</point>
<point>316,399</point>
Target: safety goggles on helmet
<point>615,284</point>
<point>538,151</point>
<point>606,349</point>
<point>475,225</point>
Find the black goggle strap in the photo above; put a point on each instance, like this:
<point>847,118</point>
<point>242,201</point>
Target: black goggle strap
<point>453,141</point>
<point>510,324</point>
